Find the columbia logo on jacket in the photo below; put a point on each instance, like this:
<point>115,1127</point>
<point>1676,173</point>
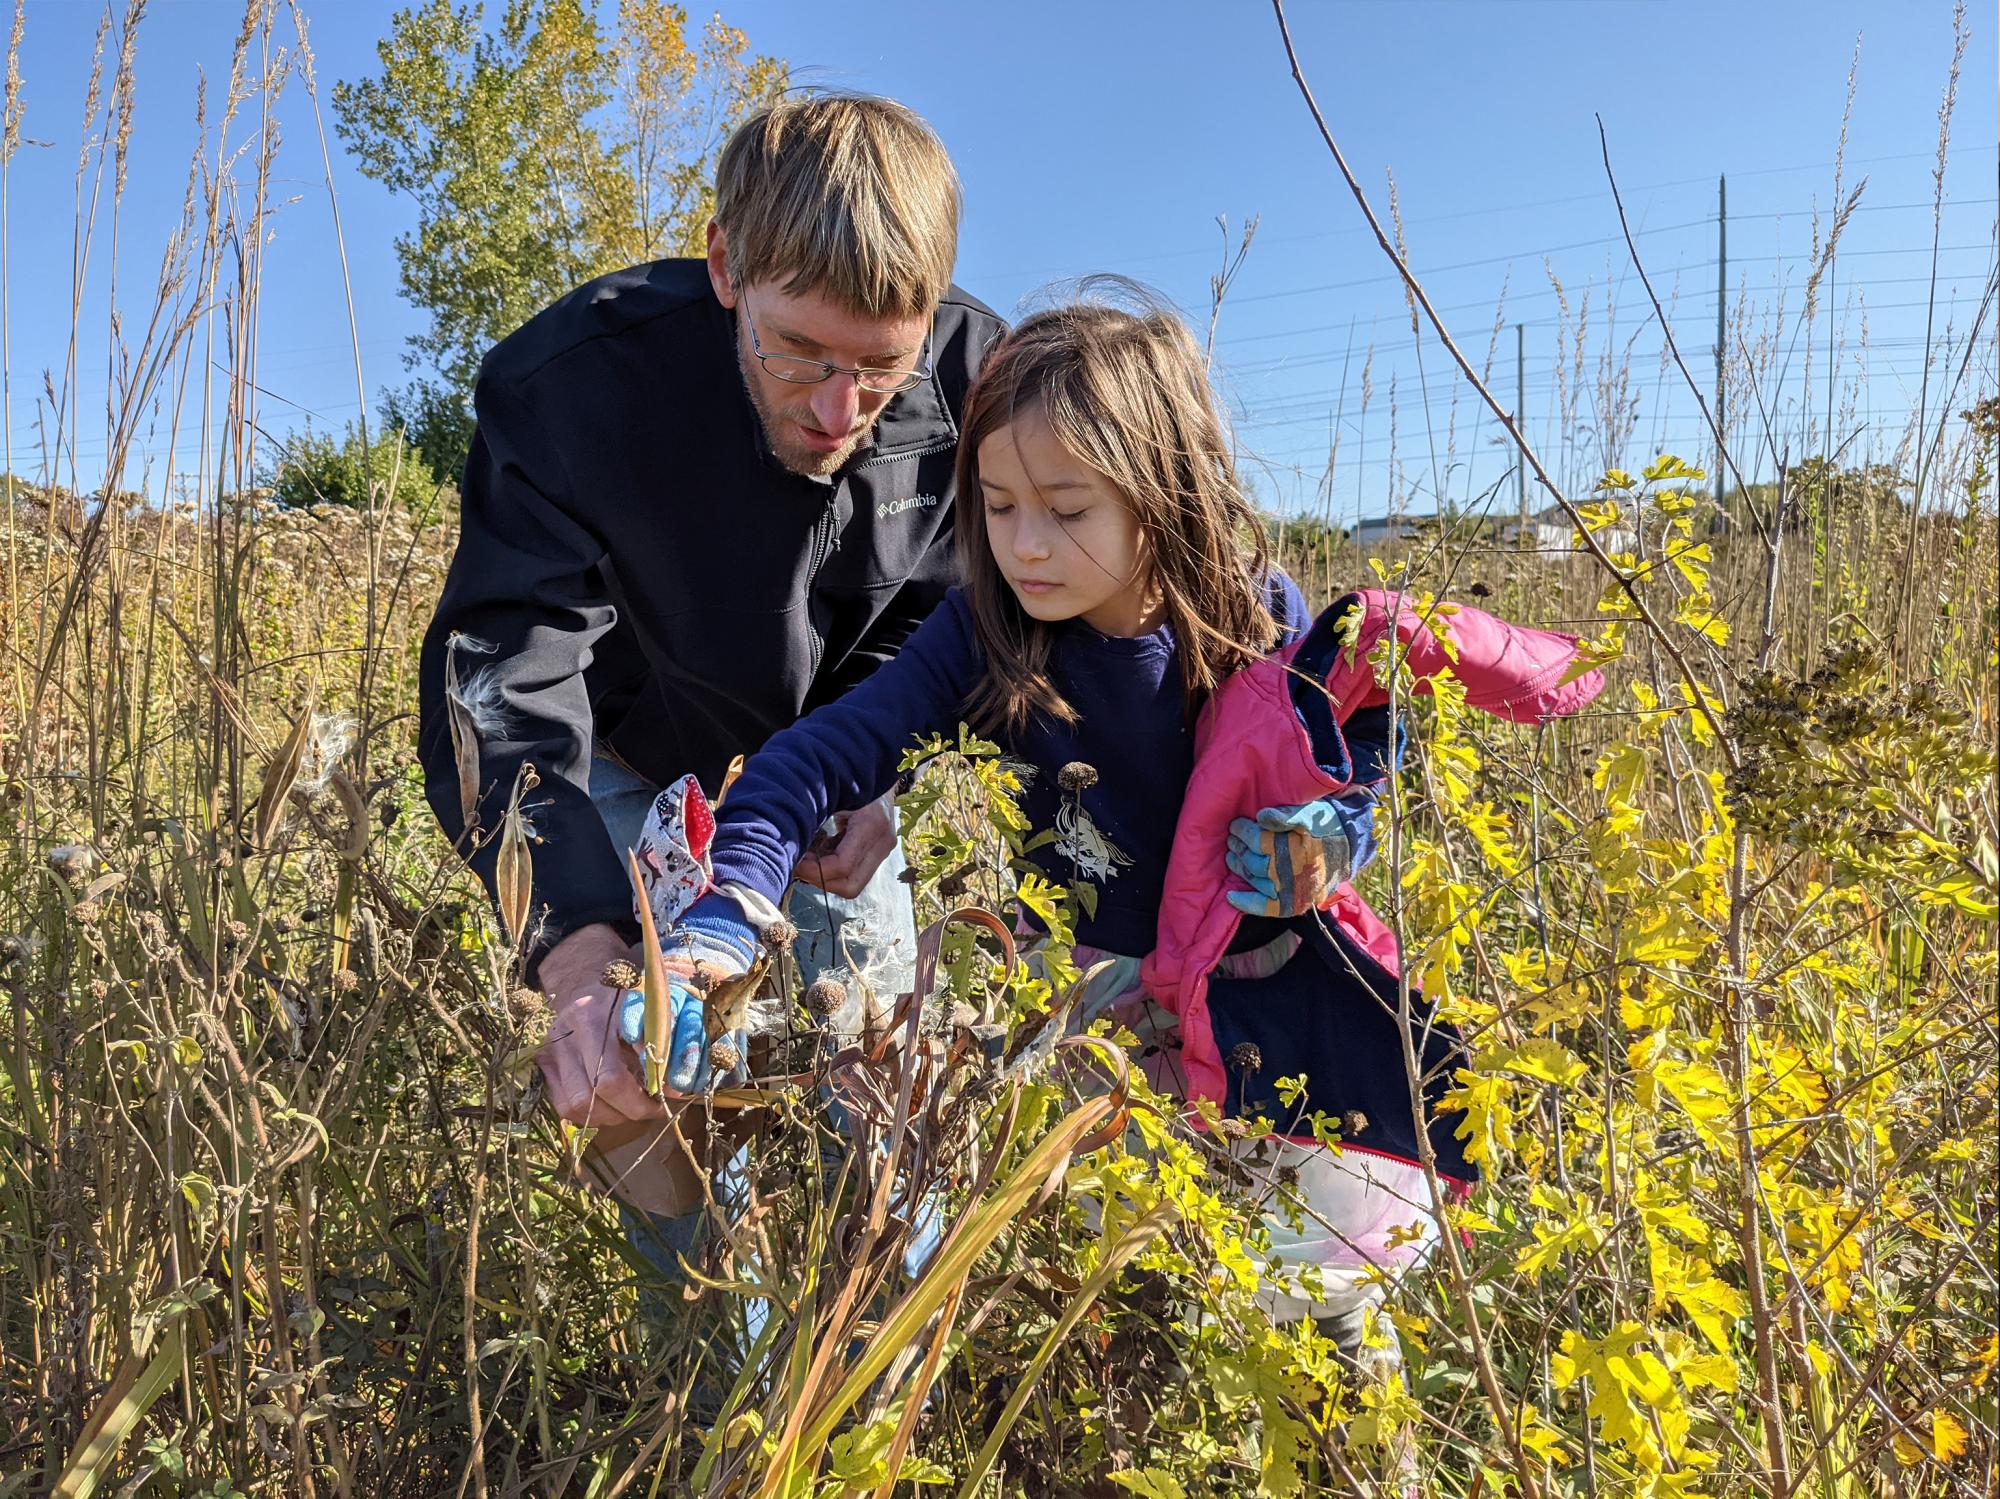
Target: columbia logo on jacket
<point>896,507</point>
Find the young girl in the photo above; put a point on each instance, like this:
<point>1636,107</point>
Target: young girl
<point>1115,579</point>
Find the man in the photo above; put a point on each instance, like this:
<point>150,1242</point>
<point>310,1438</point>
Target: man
<point>703,498</point>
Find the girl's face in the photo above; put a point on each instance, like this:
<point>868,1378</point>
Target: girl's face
<point>1061,533</point>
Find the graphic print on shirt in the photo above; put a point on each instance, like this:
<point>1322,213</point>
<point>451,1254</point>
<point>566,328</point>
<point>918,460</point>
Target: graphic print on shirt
<point>1079,839</point>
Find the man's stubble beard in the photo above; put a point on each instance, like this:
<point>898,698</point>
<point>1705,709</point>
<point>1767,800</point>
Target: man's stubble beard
<point>800,460</point>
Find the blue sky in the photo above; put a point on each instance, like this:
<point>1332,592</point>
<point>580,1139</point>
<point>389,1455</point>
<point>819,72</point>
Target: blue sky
<point>1102,137</point>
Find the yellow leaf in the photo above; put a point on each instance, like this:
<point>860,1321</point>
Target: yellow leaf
<point>1543,1059</point>
<point>1983,1362</point>
<point>1948,1438</point>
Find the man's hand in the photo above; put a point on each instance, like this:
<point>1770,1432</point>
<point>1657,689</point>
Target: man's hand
<point>844,865</point>
<point>592,1076</point>
<point>1292,858</point>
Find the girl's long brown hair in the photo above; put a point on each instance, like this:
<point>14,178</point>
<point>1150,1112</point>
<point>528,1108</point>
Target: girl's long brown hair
<point>1126,394</point>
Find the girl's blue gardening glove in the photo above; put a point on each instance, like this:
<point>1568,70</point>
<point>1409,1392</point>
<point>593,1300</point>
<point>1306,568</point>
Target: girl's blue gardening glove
<point>714,934</point>
<point>1294,858</point>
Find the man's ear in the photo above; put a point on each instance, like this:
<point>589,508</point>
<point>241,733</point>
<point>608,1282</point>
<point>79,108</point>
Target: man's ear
<point>718,266</point>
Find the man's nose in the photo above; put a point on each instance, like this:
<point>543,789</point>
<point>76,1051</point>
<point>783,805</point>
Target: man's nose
<point>836,404</point>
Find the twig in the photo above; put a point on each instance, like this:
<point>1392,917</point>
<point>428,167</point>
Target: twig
<point>1500,412</point>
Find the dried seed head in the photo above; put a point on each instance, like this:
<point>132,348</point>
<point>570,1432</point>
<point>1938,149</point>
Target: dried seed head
<point>620,973</point>
<point>723,1056</point>
<point>530,1008</point>
<point>11,948</point>
<point>825,996</point>
<point>1480,591</point>
<point>346,981</point>
<point>89,912</point>
<point>952,885</point>
<point>778,937</point>
<point>73,861</point>
<point>1245,1056</point>
<point>1076,777</point>
<point>1353,1122</point>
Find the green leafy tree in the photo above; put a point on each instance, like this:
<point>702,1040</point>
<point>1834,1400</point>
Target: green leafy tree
<point>436,420</point>
<point>319,469</point>
<point>540,152</point>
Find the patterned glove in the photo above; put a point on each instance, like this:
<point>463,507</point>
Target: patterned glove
<point>1292,858</point>
<point>689,1047</point>
<point>714,935</point>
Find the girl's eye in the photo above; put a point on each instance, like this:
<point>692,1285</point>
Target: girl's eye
<point>1069,516</point>
<point>993,507</point>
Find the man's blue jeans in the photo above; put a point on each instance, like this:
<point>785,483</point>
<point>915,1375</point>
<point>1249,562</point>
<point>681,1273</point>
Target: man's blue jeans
<point>874,932</point>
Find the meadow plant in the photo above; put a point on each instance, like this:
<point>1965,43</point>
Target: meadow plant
<point>281,1210</point>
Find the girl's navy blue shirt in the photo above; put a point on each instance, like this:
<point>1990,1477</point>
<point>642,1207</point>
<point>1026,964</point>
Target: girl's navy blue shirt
<point>1132,728</point>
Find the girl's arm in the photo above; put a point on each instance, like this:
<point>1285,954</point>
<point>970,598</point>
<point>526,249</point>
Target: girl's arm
<point>1372,760</point>
<point>840,756</point>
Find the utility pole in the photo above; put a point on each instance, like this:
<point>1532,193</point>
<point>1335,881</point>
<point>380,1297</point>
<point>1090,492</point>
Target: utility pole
<point>1520,415</point>
<point>1721,323</point>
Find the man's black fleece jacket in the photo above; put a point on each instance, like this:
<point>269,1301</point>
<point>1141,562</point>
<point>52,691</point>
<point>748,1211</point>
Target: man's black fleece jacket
<point>637,574</point>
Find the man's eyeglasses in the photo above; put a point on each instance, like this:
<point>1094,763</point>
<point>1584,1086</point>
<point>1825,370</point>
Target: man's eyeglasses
<point>796,369</point>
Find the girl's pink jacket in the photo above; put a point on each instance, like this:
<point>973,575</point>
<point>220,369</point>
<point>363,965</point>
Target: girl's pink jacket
<point>1253,750</point>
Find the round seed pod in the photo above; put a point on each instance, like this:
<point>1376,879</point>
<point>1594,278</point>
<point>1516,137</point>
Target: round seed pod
<point>1077,776</point>
<point>825,996</point>
<point>1353,1122</point>
<point>723,1056</point>
<point>1245,1056</point>
<point>620,974</point>
<point>778,937</point>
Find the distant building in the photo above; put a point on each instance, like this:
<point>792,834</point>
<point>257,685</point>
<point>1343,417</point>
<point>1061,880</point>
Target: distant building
<point>1381,528</point>
<point>1550,530</point>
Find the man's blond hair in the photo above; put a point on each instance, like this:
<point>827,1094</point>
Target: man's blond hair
<point>842,195</point>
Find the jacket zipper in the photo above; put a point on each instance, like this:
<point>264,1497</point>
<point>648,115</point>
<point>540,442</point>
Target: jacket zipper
<point>821,530</point>
<point>901,453</point>
<point>823,533</point>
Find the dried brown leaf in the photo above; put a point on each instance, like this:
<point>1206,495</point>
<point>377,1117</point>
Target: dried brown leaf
<point>283,773</point>
<point>659,1011</point>
<point>464,741</point>
<point>728,779</point>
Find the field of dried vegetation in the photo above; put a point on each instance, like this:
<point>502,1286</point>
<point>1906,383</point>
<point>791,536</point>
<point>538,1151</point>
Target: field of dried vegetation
<point>281,1212</point>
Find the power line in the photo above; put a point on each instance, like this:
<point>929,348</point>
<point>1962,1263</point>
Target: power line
<point>1582,244</point>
